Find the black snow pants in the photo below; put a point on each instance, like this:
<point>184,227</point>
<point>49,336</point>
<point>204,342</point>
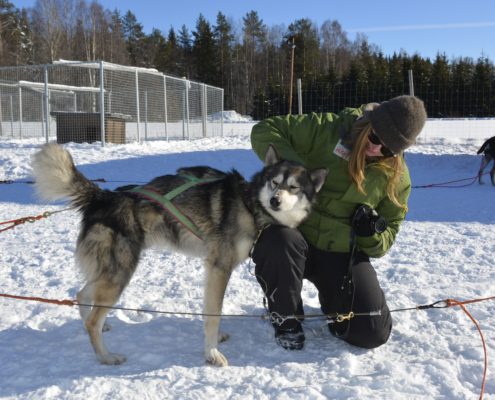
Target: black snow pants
<point>283,259</point>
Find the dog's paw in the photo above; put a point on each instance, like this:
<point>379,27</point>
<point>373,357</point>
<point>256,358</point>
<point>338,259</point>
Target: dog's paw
<point>112,359</point>
<point>214,357</point>
<point>106,327</point>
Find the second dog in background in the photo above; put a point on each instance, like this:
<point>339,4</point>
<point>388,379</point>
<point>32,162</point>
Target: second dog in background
<point>488,150</point>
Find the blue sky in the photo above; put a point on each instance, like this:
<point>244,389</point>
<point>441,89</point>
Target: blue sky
<point>454,27</point>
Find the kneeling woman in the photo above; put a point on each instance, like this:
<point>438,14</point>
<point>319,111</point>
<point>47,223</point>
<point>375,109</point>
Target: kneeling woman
<point>368,183</point>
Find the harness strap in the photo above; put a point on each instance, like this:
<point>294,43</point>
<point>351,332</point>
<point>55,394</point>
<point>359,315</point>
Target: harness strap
<point>193,181</point>
<point>165,200</point>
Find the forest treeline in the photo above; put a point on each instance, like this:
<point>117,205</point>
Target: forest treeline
<point>251,61</point>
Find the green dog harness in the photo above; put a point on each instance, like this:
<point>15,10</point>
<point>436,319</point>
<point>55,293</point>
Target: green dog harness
<point>165,200</point>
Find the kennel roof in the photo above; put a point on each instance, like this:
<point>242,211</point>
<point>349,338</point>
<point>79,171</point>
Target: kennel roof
<point>107,66</point>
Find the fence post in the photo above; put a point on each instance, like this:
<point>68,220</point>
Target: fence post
<point>138,117</point>
<point>42,111</point>
<point>299,96</point>
<point>145,115</point>
<point>204,108</point>
<point>20,112</point>
<point>221,113</point>
<point>46,104</point>
<point>186,105</point>
<point>11,117</point>
<point>102,104</point>
<point>411,82</point>
<point>165,104</point>
<point>1,115</point>
<point>291,73</point>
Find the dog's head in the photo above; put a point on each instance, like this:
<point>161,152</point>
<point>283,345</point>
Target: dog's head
<point>288,189</point>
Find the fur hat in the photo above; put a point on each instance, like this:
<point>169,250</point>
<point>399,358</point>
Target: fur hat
<point>398,122</point>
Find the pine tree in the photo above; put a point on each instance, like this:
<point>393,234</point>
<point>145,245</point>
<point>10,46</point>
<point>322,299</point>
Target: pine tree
<point>483,79</point>
<point>462,79</point>
<point>154,45</point>
<point>441,85</point>
<point>117,52</point>
<point>307,48</point>
<point>250,65</point>
<point>16,46</point>
<point>396,84</point>
<point>224,38</point>
<point>185,58</point>
<point>204,53</point>
<point>171,55</point>
<point>135,37</point>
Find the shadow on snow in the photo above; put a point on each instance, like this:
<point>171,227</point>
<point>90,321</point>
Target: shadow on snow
<point>34,359</point>
<point>472,203</point>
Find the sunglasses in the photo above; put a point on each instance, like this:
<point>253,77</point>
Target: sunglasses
<point>386,152</point>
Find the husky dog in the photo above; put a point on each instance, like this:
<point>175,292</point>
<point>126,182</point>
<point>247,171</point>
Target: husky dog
<point>220,217</point>
<point>488,150</point>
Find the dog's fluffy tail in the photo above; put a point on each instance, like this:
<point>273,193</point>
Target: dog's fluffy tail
<point>57,178</point>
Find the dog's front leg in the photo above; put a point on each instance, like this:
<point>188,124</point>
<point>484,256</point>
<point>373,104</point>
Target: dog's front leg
<point>216,283</point>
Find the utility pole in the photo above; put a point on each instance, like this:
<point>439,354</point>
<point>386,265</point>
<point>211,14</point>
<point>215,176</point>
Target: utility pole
<point>411,82</point>
<point>291,74</point>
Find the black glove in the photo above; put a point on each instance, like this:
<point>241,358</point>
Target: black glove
<point>367,222</point>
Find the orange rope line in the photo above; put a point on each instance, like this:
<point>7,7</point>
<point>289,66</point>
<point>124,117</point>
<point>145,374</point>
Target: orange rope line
<point>453,302</point>
<point>19,221</point>
<point>42,300</point>
<point>447,302</point>
<point>458,303</point>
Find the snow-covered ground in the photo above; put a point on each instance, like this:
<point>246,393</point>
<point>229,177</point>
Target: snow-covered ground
<point>444,250</point>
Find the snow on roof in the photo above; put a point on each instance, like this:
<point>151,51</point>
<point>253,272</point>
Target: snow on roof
<point>122,68</point>
<point>107,66</point>
<point>40,86</point>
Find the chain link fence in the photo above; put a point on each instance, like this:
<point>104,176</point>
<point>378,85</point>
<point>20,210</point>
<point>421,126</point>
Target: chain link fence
<point>99,101</point>
<point>450,99</point>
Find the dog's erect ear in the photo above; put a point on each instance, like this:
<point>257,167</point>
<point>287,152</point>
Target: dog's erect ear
<point>318,177</point>
<point>271,156</point>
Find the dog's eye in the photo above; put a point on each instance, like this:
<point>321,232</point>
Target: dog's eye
<point>274,183</point>
<point>294,188</point>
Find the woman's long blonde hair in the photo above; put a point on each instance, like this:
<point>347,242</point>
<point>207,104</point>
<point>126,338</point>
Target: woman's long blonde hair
<point>393,167</point>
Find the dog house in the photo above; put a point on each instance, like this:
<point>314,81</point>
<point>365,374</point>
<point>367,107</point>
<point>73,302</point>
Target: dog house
<point>80,127</point>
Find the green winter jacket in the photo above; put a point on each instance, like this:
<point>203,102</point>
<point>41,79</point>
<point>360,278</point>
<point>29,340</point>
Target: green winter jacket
<point>314,140</point>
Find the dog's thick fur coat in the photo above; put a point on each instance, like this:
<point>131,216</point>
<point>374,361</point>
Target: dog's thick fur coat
<point>117,226</point>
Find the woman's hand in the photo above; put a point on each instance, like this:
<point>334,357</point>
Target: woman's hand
<point>366,221</point>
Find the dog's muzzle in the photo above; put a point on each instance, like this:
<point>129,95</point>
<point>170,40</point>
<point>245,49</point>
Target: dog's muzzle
<point>275,201</point>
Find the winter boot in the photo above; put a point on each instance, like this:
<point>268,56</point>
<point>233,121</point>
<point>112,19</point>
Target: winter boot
<point>290,338</point>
